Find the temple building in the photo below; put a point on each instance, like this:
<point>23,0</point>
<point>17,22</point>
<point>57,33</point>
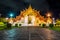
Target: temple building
<point>30,17</point>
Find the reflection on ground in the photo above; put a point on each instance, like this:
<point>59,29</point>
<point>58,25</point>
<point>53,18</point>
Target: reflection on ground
<point>29,33</point>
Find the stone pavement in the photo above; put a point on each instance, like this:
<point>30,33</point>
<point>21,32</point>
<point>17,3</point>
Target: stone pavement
<point>29,33</point>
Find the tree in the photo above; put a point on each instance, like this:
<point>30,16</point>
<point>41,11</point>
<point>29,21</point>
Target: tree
<point>51,25</point>
<point>58,21</point>
<point>3,20</point>
<point>43,25</point>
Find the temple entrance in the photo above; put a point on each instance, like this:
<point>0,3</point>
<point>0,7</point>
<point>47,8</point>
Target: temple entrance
<point>29,20</point>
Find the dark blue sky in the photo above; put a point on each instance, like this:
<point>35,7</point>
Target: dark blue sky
<point>16,6</point>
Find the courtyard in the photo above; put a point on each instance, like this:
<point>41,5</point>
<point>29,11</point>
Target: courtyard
<point>29,33</point>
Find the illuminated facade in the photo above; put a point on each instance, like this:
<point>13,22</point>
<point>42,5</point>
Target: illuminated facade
<point>31,17</point>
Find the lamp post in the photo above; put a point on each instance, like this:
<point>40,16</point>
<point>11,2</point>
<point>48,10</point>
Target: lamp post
<point>11,21</point>
<point>54,21</point>
<point>0,17</point>
<point>59,16</point>
<point>48,18</point>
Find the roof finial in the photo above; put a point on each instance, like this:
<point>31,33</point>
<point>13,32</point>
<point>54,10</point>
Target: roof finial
<point>30,6</point>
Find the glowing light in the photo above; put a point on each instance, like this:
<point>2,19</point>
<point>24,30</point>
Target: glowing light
<point>7,18</point>
<point>11,15</point>
<point>48,15</point>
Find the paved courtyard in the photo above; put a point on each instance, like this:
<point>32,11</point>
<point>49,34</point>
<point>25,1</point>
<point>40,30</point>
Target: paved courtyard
<point>29,33</point>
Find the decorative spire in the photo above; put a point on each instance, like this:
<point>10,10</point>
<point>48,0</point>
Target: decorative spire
<point>30,7</point>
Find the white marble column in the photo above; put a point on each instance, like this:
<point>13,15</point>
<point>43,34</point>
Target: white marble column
<point>33,20</point>
<point>26,21</point>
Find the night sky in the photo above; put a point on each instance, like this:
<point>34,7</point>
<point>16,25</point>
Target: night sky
<point>15,6</point>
